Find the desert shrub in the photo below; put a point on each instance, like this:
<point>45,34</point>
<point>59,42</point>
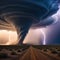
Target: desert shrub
<point>45,50</point>
<point>4,55</point>
<point>19,51</point>
<point>54,52</point>
<point>13,53</point>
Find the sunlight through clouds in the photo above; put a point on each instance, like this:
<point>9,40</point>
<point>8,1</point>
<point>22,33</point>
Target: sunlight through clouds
<point>8,37</point>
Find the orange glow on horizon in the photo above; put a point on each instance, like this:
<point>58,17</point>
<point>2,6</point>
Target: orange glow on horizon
<point>8,37</point>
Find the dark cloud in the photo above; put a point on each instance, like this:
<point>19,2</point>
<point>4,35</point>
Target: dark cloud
<point>44,23</point>
<point>24,13</point>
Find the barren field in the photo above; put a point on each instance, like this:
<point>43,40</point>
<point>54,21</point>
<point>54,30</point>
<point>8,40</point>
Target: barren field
<point>27,52</point>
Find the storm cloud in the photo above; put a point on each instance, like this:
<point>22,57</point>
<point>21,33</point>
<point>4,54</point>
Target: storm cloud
<point>21,15</point>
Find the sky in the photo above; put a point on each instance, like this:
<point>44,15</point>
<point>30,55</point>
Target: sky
<point>49,35</point>
<point>52,33</point>
<point>8,37</point>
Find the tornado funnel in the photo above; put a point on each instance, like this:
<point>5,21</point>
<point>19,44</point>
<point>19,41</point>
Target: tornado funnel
<point>24,14</point>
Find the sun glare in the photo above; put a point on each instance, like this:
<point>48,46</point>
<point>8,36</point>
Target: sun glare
<point>8,37</point>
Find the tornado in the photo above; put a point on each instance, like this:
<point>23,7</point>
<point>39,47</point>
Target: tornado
<point>26,14</point>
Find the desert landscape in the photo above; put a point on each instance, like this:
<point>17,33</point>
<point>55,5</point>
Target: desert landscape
<point>30,52</point>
